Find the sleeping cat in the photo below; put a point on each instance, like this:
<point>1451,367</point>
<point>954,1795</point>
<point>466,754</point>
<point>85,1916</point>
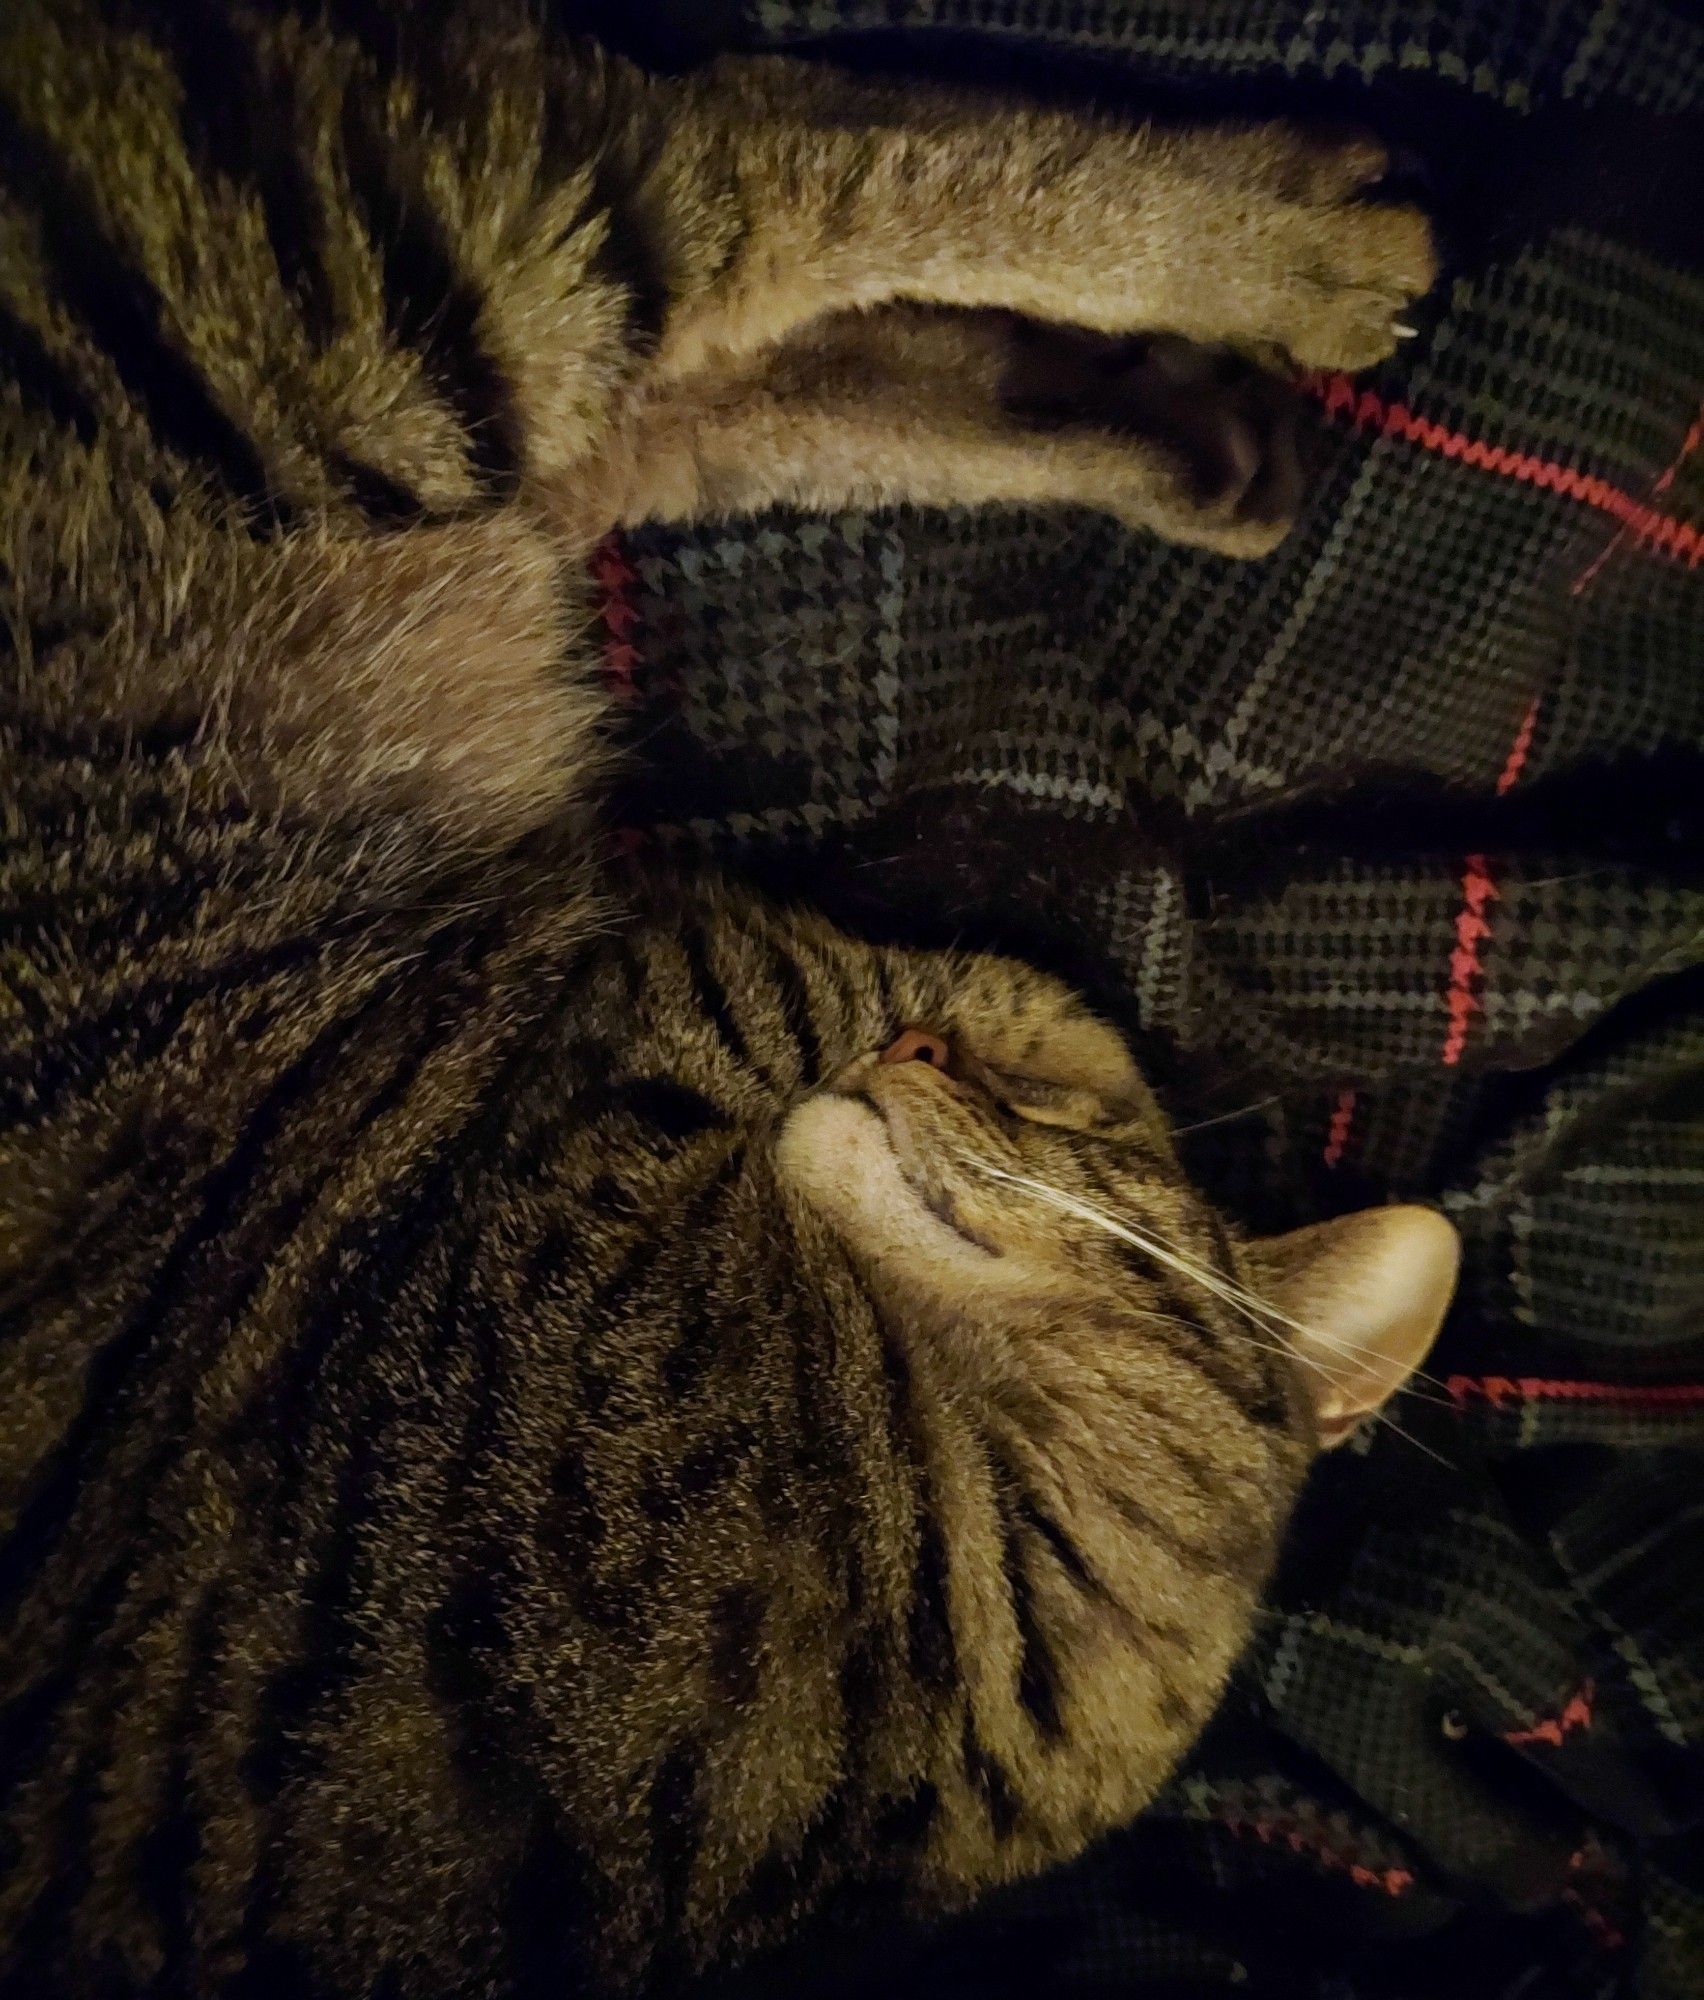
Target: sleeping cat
<point>548,1431</point>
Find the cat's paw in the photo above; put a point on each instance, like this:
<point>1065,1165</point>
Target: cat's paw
<point>1294,245</point>
<point>1189,441</point>
<point>1232,433</point>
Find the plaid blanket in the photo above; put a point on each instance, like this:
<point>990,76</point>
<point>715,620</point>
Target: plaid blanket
<point>1390,851</point>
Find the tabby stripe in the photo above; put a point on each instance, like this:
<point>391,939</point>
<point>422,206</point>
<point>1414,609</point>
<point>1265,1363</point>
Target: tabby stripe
<point>239,128</point>
<point>468,1675</point>
<point>170,1848</point>
<point>711,996</point>
<point>85,1261</point>
<point>1204,1472</point>
<point>1214,1351</point>
<point>695,1348</point>
<point>382,498</point>
<point>904,1823</point>
<point>279,1424</point>
<point>989,1779</point>
<point>863,1692</point>
<point>274,1421</point>
<point>637,1261</point>
<point>831,972</point>
<point>433,309</point>
<point>91,1628</point>
<point>483,1332</point>
<point>1176,1711</point>
<point>671,1110</point>
<point>932,1647</point>
<point>126,315</point>
<point>1264,1400</point>
<point>859,1686</point>
<point>796,1008</point>
<point>1148,1525</point>
<point>41,919</point>
<point>931,1651</point>
<point>42,380</point>
<point>401,42</point>
<point>824,1452</point>
<point>74,1804</point>
<point>43,1935</point>
<point>27,1734</point>
<point>92,739</point>
<point>623,255</point>
<point>732,1643</point>
<point>1163,1639</point>
<point>35,928</point>
<point>1070,1558</point>
<point>888,998</point>
<point>1038,1673</point>
<point>325,1620</point>
<point>788,1877</point>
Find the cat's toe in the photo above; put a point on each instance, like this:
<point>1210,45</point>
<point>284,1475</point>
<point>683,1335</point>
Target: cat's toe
<point>1359,266</point>
<point>1327,265</point>
<point>1237,444</point>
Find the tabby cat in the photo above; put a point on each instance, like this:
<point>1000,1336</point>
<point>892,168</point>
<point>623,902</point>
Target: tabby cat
<point>548,1431</point>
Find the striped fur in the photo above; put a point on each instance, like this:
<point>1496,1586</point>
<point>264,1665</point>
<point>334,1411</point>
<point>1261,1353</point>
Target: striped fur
<point>470,1516</point>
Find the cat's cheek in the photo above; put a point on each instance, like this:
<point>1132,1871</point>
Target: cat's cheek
<point>835,1152</point>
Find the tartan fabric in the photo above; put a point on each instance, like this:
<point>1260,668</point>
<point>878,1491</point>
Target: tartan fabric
<point>1390,849</point>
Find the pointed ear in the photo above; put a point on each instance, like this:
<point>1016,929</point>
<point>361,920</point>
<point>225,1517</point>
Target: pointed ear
<point>1362,1297</point>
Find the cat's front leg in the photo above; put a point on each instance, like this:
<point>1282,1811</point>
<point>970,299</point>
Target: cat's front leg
<point>781,191</point>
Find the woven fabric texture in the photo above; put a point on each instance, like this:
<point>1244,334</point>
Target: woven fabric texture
<point>1390,850</point>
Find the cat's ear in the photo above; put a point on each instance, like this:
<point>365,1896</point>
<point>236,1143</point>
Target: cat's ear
<point>1362,1298</point>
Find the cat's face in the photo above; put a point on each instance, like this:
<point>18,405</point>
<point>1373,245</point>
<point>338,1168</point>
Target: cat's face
<point>961,1157</point>
<point>1002,1160</point>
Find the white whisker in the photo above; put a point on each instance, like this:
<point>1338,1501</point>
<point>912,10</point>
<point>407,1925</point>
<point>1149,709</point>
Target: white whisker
<point>1260,1312</point>
<point>1186,1266</point>
<point>1224,1117</point>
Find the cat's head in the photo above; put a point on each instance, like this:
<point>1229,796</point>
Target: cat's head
<point>1000,1163</point>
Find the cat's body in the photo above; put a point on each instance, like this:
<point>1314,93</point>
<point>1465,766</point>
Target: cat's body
<point>525,1451</point>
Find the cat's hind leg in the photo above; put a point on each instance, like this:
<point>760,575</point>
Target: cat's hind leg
<point>945,408</point>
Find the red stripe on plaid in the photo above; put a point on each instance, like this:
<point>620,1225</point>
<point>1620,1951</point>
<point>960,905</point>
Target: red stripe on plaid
<point>1471,931</point>
<point>1369,411</point>
<point>1342,1118</point>
<point>1576,1714</point>
<point>1664,480</point>
<point>615,576</point>
<point>1390,1881</point>
<point>1515,762</point>
<point>1501,1390</point>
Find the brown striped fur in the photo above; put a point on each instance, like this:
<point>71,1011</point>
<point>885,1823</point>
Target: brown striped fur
<point>506,1475</point>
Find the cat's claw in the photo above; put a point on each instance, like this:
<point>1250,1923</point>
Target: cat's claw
<point>1300,251</point>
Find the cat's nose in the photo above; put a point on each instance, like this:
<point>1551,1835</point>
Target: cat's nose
<point>918,1045</point>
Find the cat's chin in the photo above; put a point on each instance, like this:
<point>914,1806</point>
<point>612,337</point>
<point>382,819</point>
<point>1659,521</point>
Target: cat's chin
<point>837,1151</point>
